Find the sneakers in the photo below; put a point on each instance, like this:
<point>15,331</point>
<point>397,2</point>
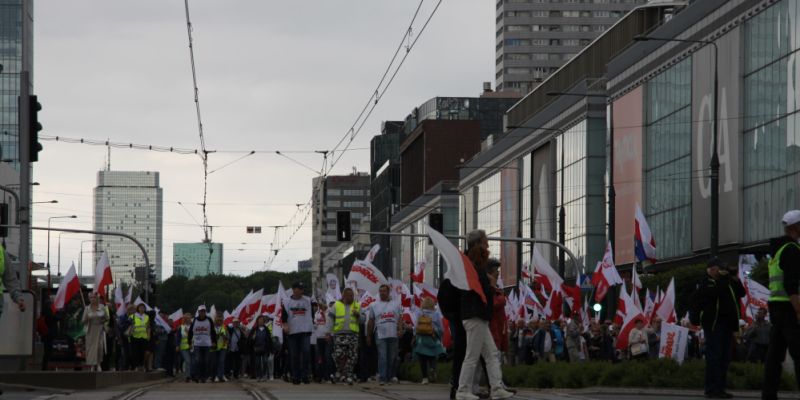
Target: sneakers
<point>382,383</point>
<point>349,381</point>
<point>501,393</point>
<point>216,380</point>
<point>224,379</point>
<point>424,381</point>
<point>466,396</point>
<point>394,380</point>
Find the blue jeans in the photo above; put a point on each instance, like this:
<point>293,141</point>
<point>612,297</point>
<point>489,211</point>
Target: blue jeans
<point>718,358</point>
<point>200,368</point>
<point>387,354</point>
<point>186,356</point>
<point>221,363</point>
<point>300,355</point>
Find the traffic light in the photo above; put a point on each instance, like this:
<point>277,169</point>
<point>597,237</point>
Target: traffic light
<point>34,127</point>
<point>436,221</point>
<point>344,232</point>
<point>3,219</point>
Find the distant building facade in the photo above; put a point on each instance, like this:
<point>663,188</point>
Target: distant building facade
<point>304,265</point>
<point>129,202</point>
<point>197,259</point>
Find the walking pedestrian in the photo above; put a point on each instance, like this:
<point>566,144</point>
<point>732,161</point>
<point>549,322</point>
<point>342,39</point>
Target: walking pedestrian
<point>384,322</point>
<point>298,323</point>
<point>476,312</point>
<point>322,355</point>
<point>140,337</point>
<point>95,316</point>
<point>235,340</point>
<point>202,336</point>
<point>221,349</point>
<point>343,322</point>
<point>716,307</point>
<point>261,338</point>
<point>184,346</point>
<point>784,305</point>
<point>427,342</point>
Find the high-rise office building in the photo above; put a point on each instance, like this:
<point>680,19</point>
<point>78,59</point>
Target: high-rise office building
<point>196,259</point>
<point>534,37</point>
<point>16,42</point>
<point>332,194</point>
<point>129,202</point>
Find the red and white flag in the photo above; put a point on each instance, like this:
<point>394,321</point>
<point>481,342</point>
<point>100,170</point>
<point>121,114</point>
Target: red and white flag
<point>372,253</point>
<point>419,273</point>
<point>237,312</point>
<point>140,301</point>
<point>542,270</point>
<point>632,314</point>
<point>69,287</point>
<point>102,275</point>
<point>605,275</point>
<point>460,271</point>
<point>212,313</point>
<point>526,271</point>
<point>555,306</point>
<point>649,306</point>
<point>176,318</point>
<point>366,300</point>
<point>401,292</point>
<point>366,276</point>
<point>572,295</point>
<point>423,290</point>
<point>637,286</point>
<point>119,301</point>
<point>644,244</point>
<point>665,309</point>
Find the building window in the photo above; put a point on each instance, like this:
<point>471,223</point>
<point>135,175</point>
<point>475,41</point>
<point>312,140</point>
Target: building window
<point>668,162</point>
<point>518,42</point>
<point>771,142</point>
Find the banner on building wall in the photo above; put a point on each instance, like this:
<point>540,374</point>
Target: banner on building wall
<point>730,125</point>
<point>509,221</point>
<point>543,198</point>
<point>628,122</point>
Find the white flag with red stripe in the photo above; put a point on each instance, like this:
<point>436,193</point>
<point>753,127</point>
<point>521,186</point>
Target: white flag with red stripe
<point>176,318</point>
<point>666,308</point>
<point>632,314</point>
<point>119,301</point>
<point>460,271</point>
<point>69,287</point>
<point>419,273</point>
<point>605,275</point>
<point>542,269</point>
<point>102,275</point>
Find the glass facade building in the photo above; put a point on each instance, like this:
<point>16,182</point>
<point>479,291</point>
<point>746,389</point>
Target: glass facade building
<point>771,137</point>
<point>668,166</point>
<point>129,202</point>
<point>16,55</point>
<point>197,259</point>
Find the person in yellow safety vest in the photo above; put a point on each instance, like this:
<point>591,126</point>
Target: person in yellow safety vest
<point>343,319</point>
<point>784,305</point>
<point>140,336</point>
<point>9,282</point>
<point>220,351</point>
<point>184,347</point>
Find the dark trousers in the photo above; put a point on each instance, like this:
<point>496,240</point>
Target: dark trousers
<point>236,363</point>
<point>428,366</point>
<point>785,334</point>
<point>459,350</point>
<point>200,367</point>
<point>323,359</point>
<point>300,355</point>
<point>138,348</point>
<point>718,357</point>
<point>48,351</point>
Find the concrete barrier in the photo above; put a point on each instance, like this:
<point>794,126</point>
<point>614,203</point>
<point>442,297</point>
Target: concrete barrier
<point>78,380</point>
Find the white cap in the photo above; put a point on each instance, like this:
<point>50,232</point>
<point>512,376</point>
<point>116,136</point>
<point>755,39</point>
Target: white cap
<point>791,217</point>
<point>201,308</point>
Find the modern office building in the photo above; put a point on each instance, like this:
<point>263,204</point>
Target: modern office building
<point>16,40</point>
<point>385,186</point>
<point>196,259</point>
<point>331,194</point>
<point>129,202</point>
<point>304,266</point>
<point>534,37</point>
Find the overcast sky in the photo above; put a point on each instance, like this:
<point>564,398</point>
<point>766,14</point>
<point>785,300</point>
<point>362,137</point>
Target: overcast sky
<point>273,75</point>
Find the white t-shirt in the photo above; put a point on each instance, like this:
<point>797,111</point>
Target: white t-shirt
<point>386,315</point>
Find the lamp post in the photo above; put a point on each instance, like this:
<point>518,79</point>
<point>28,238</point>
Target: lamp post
<point>80,257</point>
<point>49,220</point>
<point>714,164</point>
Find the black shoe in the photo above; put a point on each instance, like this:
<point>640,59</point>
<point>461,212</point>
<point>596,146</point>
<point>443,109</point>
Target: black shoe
<point>306,381</point>
<point>295,381</point>
<point>452,393</point>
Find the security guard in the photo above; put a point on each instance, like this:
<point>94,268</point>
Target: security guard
<point>784,305</point>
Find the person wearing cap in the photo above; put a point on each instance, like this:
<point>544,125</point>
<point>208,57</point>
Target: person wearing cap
<point>784,305</point>
<point>298,323</point>
<point>202,336</point>
<point>715,307</point>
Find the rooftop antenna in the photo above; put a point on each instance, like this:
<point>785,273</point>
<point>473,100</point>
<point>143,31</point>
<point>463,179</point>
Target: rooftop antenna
<point>108,160</point>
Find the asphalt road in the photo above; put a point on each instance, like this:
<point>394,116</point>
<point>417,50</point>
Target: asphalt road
<point>250,390</point>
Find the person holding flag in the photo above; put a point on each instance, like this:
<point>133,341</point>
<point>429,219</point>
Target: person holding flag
<point>715,306</point>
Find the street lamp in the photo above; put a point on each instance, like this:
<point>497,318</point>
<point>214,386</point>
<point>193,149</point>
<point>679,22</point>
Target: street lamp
<point>49,220</point>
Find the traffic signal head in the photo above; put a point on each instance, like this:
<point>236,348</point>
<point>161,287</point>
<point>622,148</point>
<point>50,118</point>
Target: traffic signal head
<point>3,219</point>
<point>344,231</point>
<point>34,127</point>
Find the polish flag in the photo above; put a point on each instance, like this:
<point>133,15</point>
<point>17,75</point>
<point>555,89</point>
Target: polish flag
<point>176,318</point>
<point>366,300</point>
<point>605,275</point>
<point>401,292</point>
<point>212,312</point>
<point>637,286</point>
<point>572,295</point>
<point>69,287</point>
<point>460,271</point>
<point>555,306</point>
<point>632,314</point>
<point>666,308</point>
<point>542,269</point>
<point>237,312</point>
<point>419,273</point>
<point>140,301</point>
<point>162,322</point>
<point>423,290</point>
<point>528,298</point>
<point>526,271</point>
<point>119,301</point>
<point>649,306</point>
<point>102,275</point>
<point>644,242</point>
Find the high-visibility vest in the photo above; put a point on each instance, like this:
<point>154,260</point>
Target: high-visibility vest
<point>184,337</point>
<point>222,338</point>
<point>777,292</point>
<point>2,266</point>
<point>339,312</point>
<point>140,327</point>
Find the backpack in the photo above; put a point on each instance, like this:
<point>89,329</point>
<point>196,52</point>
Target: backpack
<point>425,325</point>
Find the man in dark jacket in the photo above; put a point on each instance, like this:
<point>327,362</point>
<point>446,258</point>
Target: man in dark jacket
<point>717,300</point>
<point>784,305</point>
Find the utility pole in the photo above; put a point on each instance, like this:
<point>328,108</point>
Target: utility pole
<point>24,144</point>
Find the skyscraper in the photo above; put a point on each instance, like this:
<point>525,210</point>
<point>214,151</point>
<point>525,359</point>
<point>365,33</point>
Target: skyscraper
<point>196,259</point>
<point>16,42</point>
<point>129,202</point>
<point>534,37</point>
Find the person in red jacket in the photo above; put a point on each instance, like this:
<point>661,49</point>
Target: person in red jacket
<point>498,325</point>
